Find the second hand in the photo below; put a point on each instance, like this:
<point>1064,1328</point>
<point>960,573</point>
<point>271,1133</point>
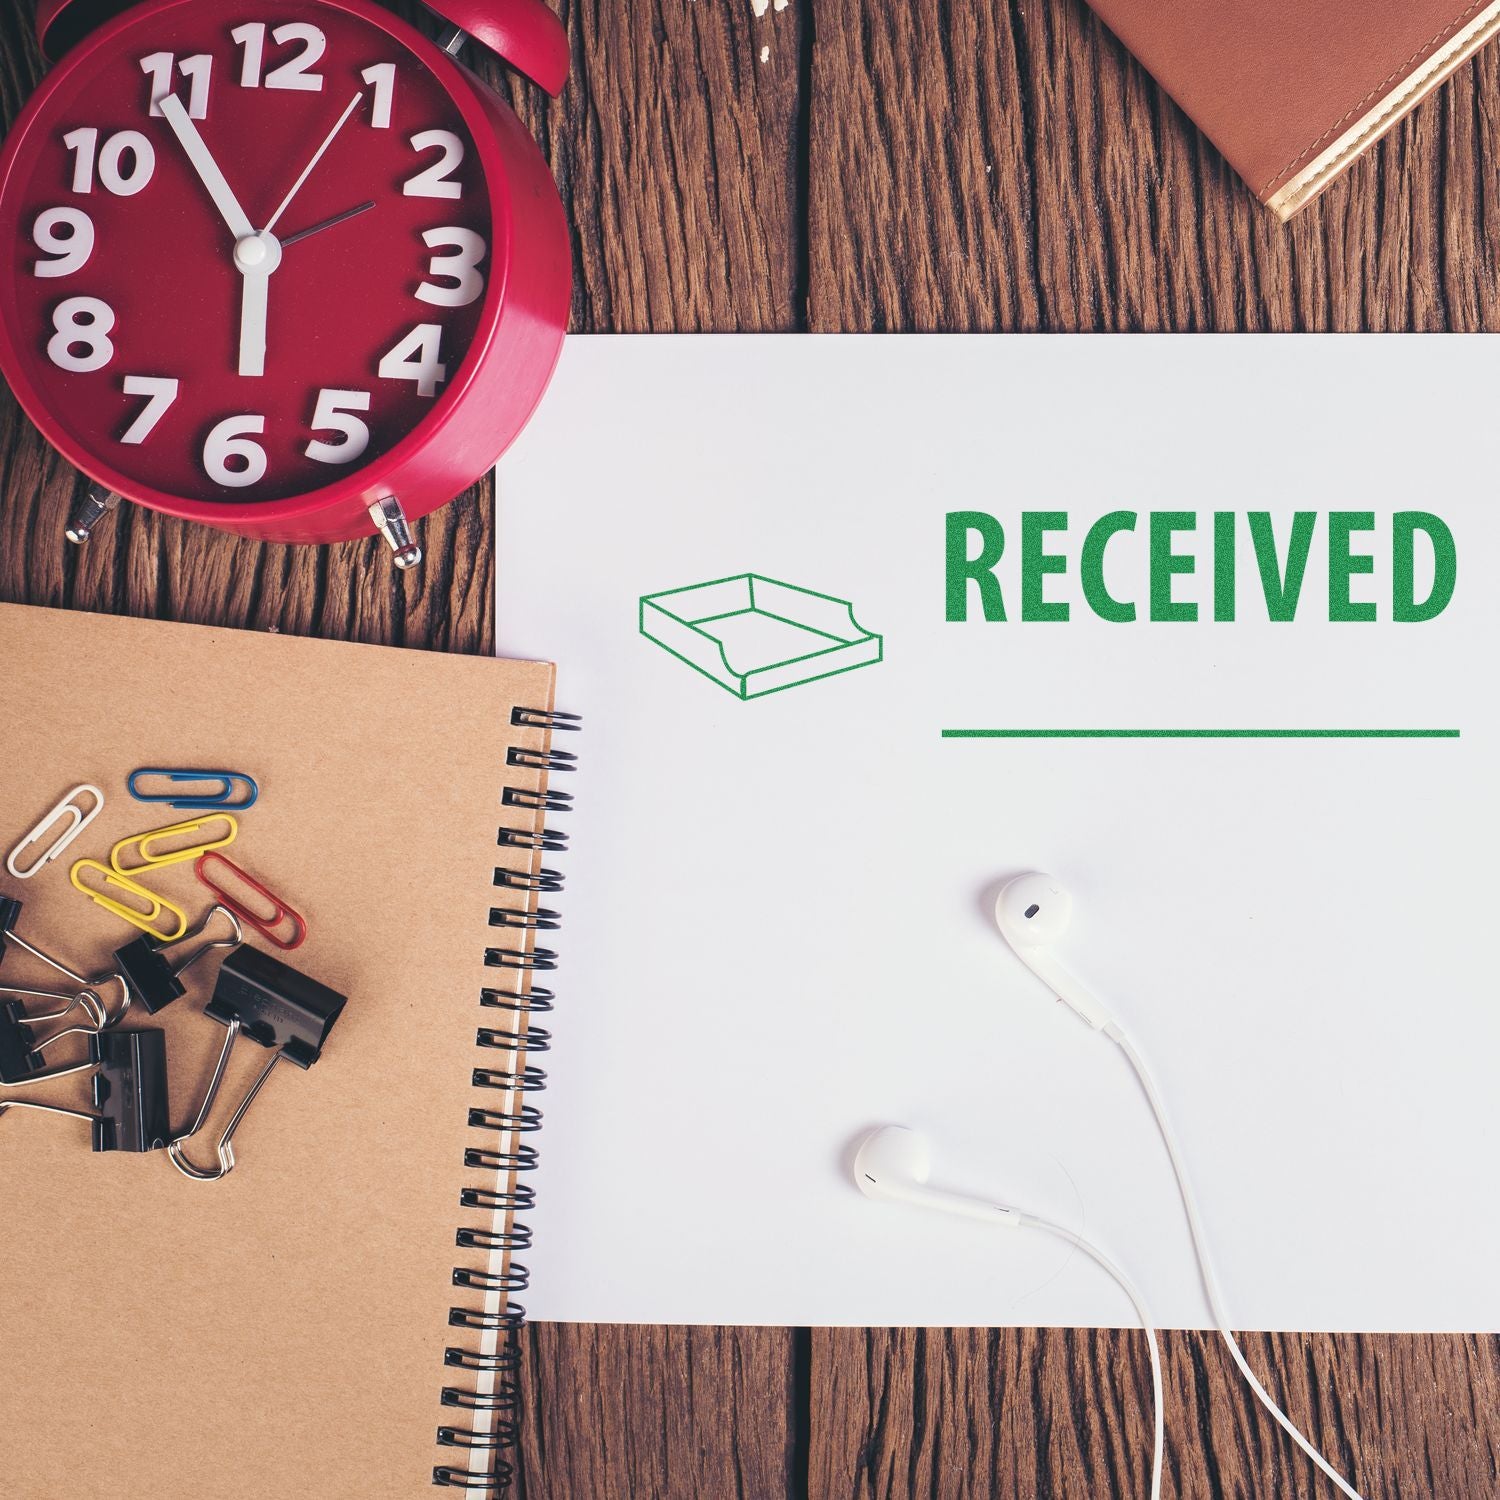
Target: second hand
<point>343,218</point>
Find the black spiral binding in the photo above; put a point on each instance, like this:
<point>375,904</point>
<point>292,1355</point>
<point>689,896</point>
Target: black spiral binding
<point>513,1075</point>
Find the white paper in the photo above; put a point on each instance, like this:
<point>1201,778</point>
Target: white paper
<point>778,927</point>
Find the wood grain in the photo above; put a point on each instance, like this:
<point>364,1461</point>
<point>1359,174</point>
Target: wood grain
<point>677,151</point>
<point>944,164</point>
<point>983,166</point>
<point>652,1413</point>
<point>954,1415</point>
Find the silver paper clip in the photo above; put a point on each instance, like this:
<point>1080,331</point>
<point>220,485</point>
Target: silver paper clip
<point>77,820</point>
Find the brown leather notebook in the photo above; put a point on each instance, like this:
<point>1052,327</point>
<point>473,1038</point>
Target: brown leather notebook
<point>1293,91</point>
<point>330,1318</point>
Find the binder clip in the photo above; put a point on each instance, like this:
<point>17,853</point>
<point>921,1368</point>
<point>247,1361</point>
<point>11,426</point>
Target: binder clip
<point>10,914</point>
<point>130,1091</point>
<point>154,979</point>
<point>74,818</point>
<point>223,794</point>
<point>21,1057</point>
<point>274,1005</point>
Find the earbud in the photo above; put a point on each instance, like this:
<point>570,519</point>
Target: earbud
<point>894,1163</point>
<point>1032,912</point>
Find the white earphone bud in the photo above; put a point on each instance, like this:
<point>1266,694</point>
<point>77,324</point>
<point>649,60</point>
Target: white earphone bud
<point>894,1163</point>
<point>1032,912</point>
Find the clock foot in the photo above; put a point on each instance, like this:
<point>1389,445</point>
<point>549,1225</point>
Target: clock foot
<point>97,502</point>
<point>390,521</point>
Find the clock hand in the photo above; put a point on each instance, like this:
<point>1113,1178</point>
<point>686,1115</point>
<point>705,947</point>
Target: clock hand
<point>337,219</point>
<point>286,202</point>
<point>256,258</point>
<point>176,115</point>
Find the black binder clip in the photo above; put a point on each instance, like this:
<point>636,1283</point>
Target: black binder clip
<point>155,980</point>
<point>130,1091</point>
<point>273,1004</point>
<point>20,1053</point>
<point>10,913</point>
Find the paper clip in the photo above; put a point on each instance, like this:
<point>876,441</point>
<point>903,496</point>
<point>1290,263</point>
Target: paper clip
<point>78,820</point>
<point>268,924</point>
<point>273,1004</point>
<point>144,844</point>
<point>130,1091</point>
<point>154,905</point>
<point>221,800</point>
<point>149,976</point>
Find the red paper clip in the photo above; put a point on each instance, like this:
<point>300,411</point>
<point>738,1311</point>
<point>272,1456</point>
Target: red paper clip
<point>267,925</point>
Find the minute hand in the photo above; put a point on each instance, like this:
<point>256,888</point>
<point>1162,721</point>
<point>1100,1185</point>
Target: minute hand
<point>322,151</point>
<point>197,152</point>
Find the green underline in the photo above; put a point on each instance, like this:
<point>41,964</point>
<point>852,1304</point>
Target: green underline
<point>1200,734</point>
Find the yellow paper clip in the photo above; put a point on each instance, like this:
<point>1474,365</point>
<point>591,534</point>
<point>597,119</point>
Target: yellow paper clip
<point>144,844</point>
<point>154,905</point>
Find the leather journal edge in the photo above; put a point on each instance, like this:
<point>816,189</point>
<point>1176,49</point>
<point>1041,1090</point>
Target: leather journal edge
<point>1299,189</point>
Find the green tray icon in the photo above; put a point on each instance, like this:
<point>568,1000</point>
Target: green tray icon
<point>753,635</point>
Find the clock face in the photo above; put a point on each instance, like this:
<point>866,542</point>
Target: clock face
<point>247,247</point>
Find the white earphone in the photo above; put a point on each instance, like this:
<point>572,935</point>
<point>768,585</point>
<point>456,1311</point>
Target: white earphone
<point>1033,912</point>
<point>894,1163</point>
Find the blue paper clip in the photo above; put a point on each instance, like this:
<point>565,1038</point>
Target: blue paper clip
<point>221,799</point>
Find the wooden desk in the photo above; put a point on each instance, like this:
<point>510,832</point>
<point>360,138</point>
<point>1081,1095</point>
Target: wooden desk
<point>940,164</point>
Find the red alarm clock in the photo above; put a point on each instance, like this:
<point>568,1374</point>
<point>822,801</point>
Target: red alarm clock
<point>283,267</point>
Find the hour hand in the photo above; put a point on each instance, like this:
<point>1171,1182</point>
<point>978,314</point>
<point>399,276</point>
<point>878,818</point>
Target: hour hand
<point>257,259</point>
<point>197,152</point>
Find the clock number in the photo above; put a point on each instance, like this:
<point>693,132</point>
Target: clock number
<point>230,440</point>
<point>160,393</point>
<point>335,414</point>
<point>82,323</point>
<point>71,250</point>
<point>382,78</point>
<point>418,358</point>
<point>111,160</point>
<point>462,267</point>
<point>296,72</point>
<point>198,70</point>
<point>436,181</point>
<point>252,41</point>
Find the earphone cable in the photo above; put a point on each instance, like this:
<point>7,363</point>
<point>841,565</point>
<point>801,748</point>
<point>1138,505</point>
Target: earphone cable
<point>1205,1267</point>
<point>1031,1221</point>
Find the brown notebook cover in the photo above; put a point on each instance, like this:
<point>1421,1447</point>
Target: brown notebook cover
<point>284,1331</point>
<point>1293,91</point>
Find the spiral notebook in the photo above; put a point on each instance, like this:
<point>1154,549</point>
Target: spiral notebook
<point>336,1317</point>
